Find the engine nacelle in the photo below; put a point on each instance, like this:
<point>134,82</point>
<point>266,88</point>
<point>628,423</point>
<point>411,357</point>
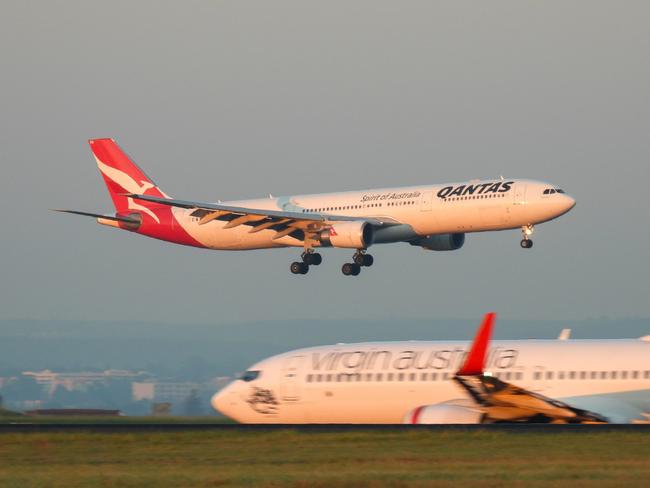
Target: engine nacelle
<point>440,242</point>
<point>443,414</point>
<point>132,221</point>
<point>355,235</point>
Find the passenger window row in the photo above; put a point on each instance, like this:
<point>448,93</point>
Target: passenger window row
<point>338,377</point>
<point>423,376</point>
<point>354,207</point>
<point>503,375</point>
<point>592,375</point>
<point>473,197</point>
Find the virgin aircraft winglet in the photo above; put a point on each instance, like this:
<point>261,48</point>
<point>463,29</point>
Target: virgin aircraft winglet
<point>475,361</point>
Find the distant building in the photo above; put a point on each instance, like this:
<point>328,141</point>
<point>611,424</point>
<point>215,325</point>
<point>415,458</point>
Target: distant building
<point>31,404</point>
<point>165,391</point>
<point>51,380</point>
<point>173,392</point>
<point>161,409</point>
<point>142,391</point>
<point>74,412</point>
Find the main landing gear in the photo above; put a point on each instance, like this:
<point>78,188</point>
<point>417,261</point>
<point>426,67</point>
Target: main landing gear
<point>309,258</point>
<point>360,259</point>
<point>527,231</point>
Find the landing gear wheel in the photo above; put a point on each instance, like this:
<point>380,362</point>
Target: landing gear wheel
<point>312,259</point>
<point>527,231</point>
<point>363,259</point>
<point>351,269</point>
<point>299,268</point>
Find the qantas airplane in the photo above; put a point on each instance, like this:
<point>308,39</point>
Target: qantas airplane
<point>433,217</point>
<point>416,382</point>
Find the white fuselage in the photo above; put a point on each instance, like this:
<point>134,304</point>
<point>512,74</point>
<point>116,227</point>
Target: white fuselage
<point>474,206</point>
<point>381,382</point>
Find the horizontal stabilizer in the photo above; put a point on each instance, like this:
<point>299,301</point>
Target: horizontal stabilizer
<point>126,220</point>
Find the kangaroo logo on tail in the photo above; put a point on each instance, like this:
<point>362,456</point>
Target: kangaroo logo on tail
<point>130,185</point>
<point>122,179</point>
<point>121,173</point>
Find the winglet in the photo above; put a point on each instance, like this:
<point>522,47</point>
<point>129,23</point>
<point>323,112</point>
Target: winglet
<point>475,360</point>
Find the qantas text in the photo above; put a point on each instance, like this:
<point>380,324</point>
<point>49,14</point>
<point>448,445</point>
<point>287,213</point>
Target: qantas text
<point>479,189</point>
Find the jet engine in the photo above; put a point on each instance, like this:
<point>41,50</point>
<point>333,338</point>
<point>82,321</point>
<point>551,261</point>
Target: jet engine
<point>440,242</point>
<point>354,235</point>
<point>443,413</point>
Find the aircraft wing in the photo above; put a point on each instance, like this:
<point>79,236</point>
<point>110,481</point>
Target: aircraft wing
<point>296,224</point>
<point>505,402</point>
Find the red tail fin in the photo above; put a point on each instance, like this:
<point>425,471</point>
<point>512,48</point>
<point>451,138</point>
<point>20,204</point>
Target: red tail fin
<point>122,175</point>
<point>475,361</point>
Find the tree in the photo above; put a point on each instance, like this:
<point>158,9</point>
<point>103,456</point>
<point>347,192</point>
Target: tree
<point>192,404</point>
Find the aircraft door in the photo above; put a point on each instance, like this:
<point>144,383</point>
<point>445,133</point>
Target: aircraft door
<point>426,202</point>
<point>290,385</point>
<point>519,195</point>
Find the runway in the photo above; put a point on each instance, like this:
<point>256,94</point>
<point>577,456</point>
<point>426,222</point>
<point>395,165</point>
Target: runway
<point>317,428</point>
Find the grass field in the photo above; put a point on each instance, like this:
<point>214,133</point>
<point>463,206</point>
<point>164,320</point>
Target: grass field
<point>325,459</point>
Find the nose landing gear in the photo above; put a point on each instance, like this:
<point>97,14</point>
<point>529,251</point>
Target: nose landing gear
<point>527,231</point>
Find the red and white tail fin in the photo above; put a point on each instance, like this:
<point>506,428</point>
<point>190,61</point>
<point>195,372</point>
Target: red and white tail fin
<point>123,176</point>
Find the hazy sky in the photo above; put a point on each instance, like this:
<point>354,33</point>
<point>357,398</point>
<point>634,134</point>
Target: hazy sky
<point>237,99</point>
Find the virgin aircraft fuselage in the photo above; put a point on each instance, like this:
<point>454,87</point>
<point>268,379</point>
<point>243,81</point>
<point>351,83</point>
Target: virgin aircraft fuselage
<point>387,382</point>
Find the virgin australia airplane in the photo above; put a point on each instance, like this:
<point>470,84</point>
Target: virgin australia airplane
<point>433,217</point>
<point>543,381</point>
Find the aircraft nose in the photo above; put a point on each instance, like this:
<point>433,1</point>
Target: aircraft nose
<point>568,202</point>
<point>223,400</point>
<point>217,400</point>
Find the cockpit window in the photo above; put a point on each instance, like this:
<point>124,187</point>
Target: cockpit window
<point>250,375</point>
<point>551,191</point>
<point>559,190</point>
